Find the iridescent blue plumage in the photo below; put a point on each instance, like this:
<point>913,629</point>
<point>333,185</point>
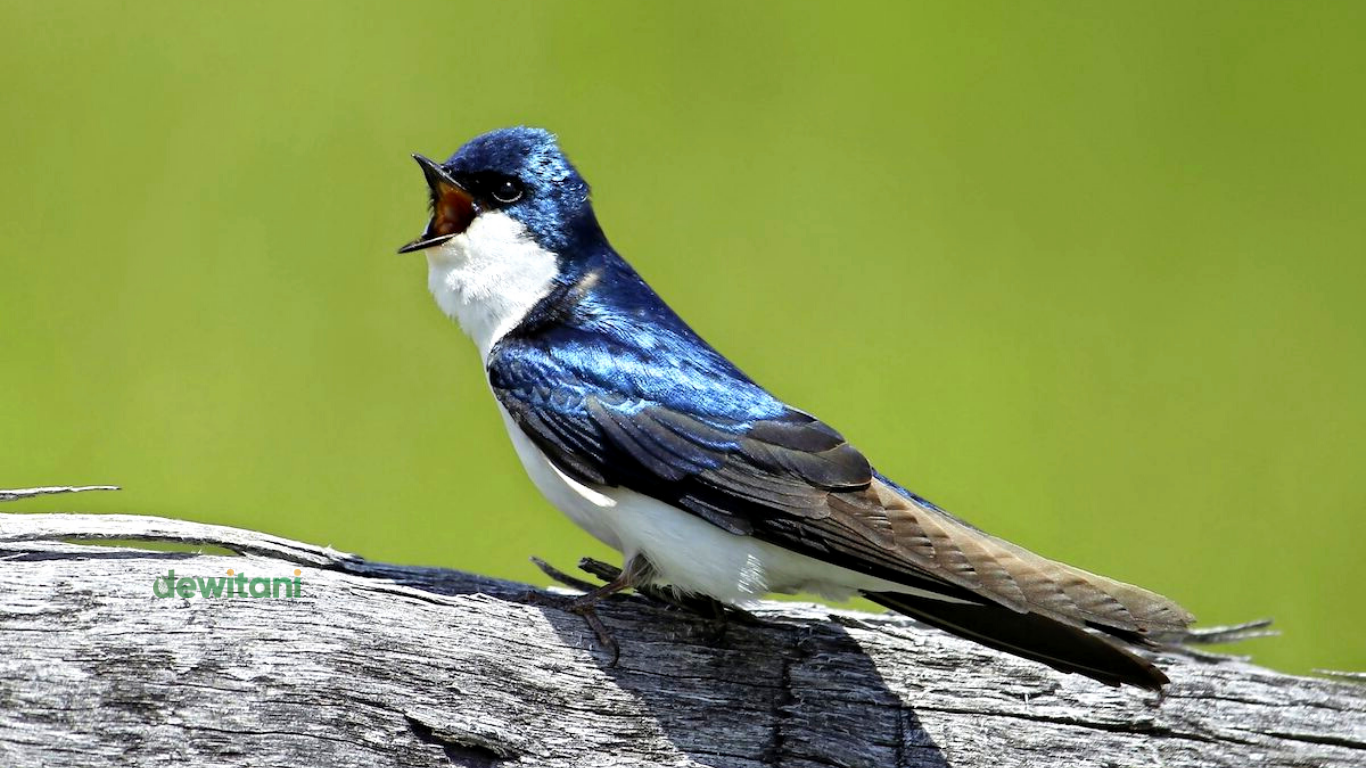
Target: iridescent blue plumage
<point>618,390</point>
<point>608,328</point>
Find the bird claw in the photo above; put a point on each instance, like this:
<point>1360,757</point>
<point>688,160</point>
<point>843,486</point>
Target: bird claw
<point>605,640</point>
<point>586,604</point>
<point>584,608</point>
<point>706,608</point>
<point>716,616</point>
<point>566,579</point>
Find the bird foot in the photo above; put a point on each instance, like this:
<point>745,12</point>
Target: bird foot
<point>566,579</point>
<point>584,608</point>
<point>716,617</point>
<point>637,572</point>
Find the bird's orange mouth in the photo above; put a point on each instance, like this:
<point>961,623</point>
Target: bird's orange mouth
<point>452,208</point>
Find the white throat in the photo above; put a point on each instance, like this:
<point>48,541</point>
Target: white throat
<point>489,277</point>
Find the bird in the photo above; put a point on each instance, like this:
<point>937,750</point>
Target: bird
<point>659,446</point>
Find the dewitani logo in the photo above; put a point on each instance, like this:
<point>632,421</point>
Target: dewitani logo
<point>232,585</point>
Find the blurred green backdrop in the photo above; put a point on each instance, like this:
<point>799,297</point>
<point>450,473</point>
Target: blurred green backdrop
<point>1089,275</point>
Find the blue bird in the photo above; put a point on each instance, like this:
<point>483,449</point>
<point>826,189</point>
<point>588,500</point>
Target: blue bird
<point>660,447</point>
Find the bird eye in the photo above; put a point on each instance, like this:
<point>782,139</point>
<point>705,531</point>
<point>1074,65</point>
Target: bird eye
<point>507,191</point>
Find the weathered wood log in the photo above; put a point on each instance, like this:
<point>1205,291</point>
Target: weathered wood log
<point>375,664</point>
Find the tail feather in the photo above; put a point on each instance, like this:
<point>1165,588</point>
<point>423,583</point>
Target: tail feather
<point>1016,578</point>
<point>1061,646</point>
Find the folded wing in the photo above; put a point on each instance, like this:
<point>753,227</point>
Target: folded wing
<point>727,452</point>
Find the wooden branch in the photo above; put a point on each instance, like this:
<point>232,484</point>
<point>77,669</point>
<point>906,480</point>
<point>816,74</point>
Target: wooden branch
<point>376,664</point>
<point>47,490</point>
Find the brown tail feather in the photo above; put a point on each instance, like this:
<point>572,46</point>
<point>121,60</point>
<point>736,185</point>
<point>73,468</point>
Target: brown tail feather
<point>1060,646</point>
<point>1014,577</point>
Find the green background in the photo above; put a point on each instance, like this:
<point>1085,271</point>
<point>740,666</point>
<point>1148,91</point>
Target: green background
<point>1089,275</point>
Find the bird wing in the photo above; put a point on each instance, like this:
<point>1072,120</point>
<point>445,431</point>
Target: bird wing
<point>698,434</point>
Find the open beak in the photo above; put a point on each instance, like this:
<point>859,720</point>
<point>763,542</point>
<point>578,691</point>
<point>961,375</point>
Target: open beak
<point>452,208</point>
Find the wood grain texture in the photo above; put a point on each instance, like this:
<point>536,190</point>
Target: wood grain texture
<point>379,664</point>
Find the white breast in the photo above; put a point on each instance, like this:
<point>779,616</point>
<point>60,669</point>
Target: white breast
<point>489,277</point>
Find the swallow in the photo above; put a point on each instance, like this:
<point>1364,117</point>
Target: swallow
<point>659,446</point>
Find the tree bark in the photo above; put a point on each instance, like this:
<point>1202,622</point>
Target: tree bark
<point>375,664</point>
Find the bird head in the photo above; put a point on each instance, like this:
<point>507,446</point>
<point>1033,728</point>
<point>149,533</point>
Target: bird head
<point>519,172</point>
